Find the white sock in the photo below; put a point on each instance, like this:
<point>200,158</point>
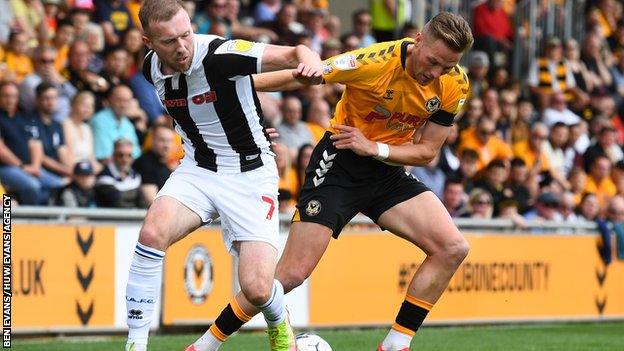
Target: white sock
<point>207,342</point>
<point>143,291</point>
<point>274,310</point>
<point>396,340</point>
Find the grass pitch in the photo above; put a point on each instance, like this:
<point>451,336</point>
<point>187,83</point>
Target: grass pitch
<point>607,336</point>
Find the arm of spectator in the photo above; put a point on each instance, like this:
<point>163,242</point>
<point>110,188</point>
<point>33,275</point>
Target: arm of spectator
<point>55,166</point>
<point>36,157</point>
<point>7,157</point>
<point>418,154</point>
<point>110,37</point>
<point>66,157</point>
<point>149,192</point>
<point>252,33</point>
<point>138,116</point>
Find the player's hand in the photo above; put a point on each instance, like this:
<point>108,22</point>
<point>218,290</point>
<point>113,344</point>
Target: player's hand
<point>273,134</point>
<point>308,75</point>
<point>352,138</point>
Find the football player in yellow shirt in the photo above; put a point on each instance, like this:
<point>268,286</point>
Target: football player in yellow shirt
<point>392,90</point>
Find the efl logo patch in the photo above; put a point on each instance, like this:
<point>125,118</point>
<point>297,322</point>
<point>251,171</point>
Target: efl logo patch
<point>345,62</point>
<point>432,105</point>
<point>240,45</point>
<point>313,208</point>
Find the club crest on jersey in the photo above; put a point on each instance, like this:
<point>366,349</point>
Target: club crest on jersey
<point>432,105</point>
<point>198,274</point>
<point>345,62</point>
<point>313,208</point>
<point>327,68</point>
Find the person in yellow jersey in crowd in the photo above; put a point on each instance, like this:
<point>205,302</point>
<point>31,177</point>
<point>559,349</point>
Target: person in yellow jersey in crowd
<point>392,90</point>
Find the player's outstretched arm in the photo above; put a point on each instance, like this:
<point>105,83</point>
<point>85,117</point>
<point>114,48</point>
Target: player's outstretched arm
<point>306,62</point>
<point>277,81</point>
<point>418,154</point>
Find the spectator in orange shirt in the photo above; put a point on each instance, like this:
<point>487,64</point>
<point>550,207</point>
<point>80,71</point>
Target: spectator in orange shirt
<point>65,33</point>
<point>18,62</point>
<point>485,143</point>
<point>599,181</point>
<point>530,150</point>
<point>318,118</point>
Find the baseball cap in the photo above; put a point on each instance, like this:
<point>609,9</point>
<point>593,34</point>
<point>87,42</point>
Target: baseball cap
<point>83,168</point>
<point>478,59</point>
<point>548,198</point>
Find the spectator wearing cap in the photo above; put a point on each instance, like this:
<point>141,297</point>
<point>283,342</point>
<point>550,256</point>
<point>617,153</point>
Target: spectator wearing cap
<point>115,19</point>
<point>599,180</point>
<point>606,145</point>
<point>478,67</point>
<point>546,208</point>
<point>119,185</point>
<point>550,74</point>
<point>112,123</point>
<point>482,138</point>
<point>492,29</point>
<point>361,22</point>
<point>558,111</point>
<point>21,153</point>
<point>153,166</point>
<point>45,71</point>
<point>56,155</point>
<point>80,192</point>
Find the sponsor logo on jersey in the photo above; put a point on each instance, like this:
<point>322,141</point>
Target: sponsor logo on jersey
<point>403,121</point>
<point>240,45</point>
<point>327,68</point>
<point>313,208</point>
<point>345,62</point>
<point>174,103</point>
<point>432,105</point>
<point>198,274</point>
<point>205,98</point>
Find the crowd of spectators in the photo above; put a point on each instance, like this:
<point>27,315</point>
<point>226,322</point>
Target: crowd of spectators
<point>80,126</point>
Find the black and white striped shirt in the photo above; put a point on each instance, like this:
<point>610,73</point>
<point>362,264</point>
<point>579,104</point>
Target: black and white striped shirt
<point>214,104</point>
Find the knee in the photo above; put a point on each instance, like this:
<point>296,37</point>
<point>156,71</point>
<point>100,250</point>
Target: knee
<point>152,237</point>
<point>456,250</point>
<point>257,291</point>
<point>291,277</point>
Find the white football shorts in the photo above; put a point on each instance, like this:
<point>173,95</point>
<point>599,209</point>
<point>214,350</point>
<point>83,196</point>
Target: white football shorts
<point>246,202</point>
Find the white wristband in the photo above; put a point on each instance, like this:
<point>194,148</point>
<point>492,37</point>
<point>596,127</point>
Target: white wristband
<point>383,151</point>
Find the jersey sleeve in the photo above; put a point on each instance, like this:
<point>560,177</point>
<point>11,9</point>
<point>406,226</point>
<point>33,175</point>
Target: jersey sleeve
<point>360,68</point>
<point>454,95</point>
<point>232,58</point>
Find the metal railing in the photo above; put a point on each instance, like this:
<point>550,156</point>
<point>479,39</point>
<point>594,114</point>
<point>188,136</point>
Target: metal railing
<point>119,216</point>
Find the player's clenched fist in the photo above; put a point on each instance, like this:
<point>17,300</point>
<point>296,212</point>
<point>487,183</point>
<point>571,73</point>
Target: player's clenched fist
<point>307,74</point>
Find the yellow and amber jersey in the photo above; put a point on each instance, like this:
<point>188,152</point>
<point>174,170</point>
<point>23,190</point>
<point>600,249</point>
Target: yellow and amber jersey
<point>383,101</point>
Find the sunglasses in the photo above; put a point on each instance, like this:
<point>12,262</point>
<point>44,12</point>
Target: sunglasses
<point>121,154</point>
<point>46,61</point>
<point>482,202</point>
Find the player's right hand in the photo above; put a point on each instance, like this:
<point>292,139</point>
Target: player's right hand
<point>308,75</point>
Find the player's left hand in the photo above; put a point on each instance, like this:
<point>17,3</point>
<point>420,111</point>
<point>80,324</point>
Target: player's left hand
<point>308,75</point>
<point>352,138</point>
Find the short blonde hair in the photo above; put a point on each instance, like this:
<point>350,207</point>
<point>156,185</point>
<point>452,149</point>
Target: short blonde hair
<point>452,29</point>
<point>158,11</point>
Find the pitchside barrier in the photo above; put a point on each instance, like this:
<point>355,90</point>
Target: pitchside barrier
<point>70,268</point>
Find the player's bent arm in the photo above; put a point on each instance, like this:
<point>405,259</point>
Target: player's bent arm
<point>278,57</point>
<point>276,81</point>
<point>422,152</point>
